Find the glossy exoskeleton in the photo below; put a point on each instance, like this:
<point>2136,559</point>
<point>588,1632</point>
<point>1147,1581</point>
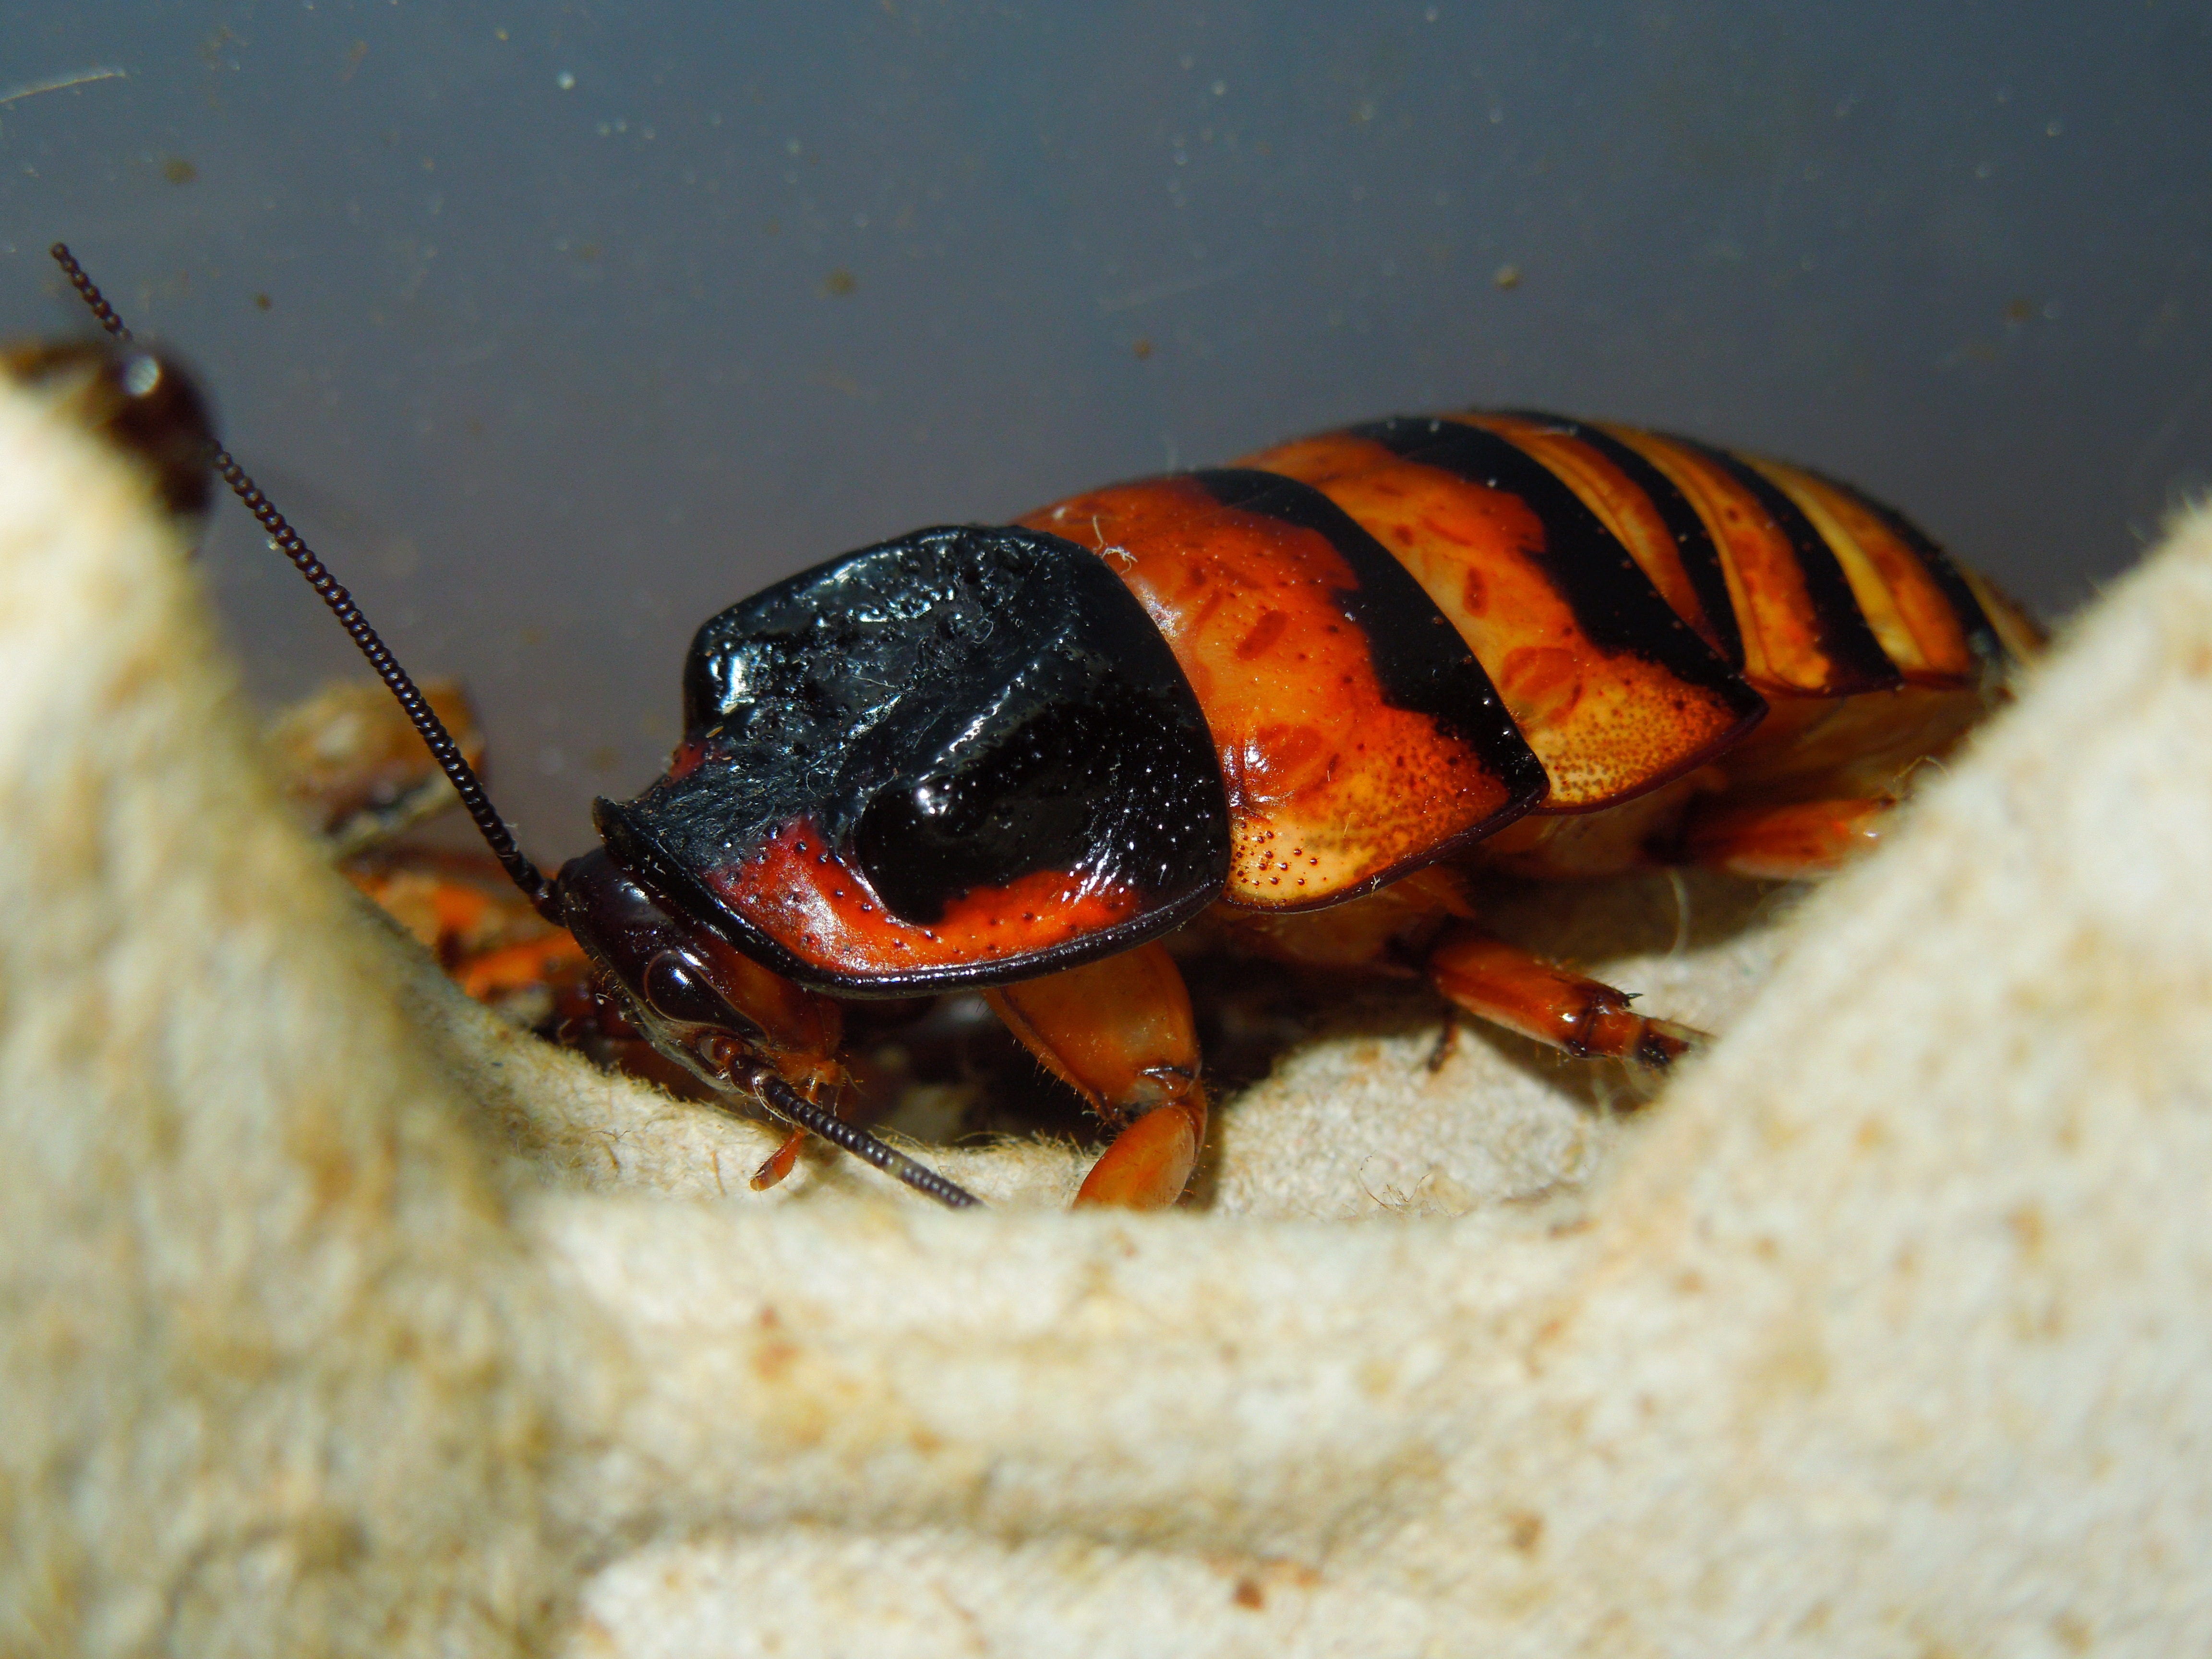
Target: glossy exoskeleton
<point>1293,701</point>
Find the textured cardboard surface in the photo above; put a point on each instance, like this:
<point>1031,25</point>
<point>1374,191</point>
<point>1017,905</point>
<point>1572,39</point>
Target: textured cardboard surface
<point>338,1319</point>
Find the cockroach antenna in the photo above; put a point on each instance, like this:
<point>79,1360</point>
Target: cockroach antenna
<point>770,1090</point>
<point>447,753</point>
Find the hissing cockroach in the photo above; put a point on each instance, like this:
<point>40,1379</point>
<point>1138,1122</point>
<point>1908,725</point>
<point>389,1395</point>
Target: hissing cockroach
<point>1296,697</point>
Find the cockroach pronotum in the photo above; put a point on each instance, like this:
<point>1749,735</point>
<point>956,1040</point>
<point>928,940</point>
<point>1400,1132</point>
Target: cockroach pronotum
<point>1294,699</point>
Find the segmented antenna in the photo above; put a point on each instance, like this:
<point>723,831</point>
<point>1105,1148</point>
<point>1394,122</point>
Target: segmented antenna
<point>447,753</point>
<point>771,1089</point>
<point>781,1099</point>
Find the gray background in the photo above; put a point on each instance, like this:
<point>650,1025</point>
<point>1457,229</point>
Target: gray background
<point>581,323</point>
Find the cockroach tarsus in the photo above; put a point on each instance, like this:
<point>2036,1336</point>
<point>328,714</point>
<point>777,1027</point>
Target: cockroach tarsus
<point>1293,701</point>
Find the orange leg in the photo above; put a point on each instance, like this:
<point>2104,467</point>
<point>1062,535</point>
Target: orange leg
<point>780,1162</point>
<point>1506,986</point>
<point>814,1079</point>
<point>1119,1032</point>
<point>1780,843</point>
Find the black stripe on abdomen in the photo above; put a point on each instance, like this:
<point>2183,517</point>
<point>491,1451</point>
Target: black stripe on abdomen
<point>1616,605</point>
<point>1420,662</point>
<point>1973,622</point>
<point>1857,661</point>
<point>1700,554</point>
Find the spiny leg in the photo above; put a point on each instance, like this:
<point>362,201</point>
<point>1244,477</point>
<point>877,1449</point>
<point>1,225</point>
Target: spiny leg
<point>1583,1016</point>
<point>1119,1033</point>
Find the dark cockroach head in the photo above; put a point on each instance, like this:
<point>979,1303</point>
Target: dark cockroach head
<point>721,1016</point>
<point>139,400</point>
<point>698,1000</point>
<point>703,1005</point>
<point>964,757</point>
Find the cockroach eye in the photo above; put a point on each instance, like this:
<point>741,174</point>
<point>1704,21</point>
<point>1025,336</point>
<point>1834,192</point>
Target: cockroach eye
<point>677,992</point>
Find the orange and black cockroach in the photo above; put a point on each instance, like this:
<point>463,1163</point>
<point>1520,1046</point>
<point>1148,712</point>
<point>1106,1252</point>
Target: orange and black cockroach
<point>1295,699</point>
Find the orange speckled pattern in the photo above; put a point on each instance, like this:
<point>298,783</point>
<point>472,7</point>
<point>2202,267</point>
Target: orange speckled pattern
<point>1606,723</point>
<point>1331,789</point>
<point>821,909</point>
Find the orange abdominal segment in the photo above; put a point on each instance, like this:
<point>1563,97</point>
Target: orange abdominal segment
<point>1608,685</point>
<point>1919,625</point>
<point>1334,783</point>
<point>1802,630</point>
<point>1630,509</point>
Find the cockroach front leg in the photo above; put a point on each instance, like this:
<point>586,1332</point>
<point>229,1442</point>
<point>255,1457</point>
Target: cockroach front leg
<point>823,1083</point>
<point>1119,1032</point>
<point>1581,1017</point>
<point>780,1162</point>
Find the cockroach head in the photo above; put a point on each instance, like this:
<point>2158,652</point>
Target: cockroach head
<point>653,961</point>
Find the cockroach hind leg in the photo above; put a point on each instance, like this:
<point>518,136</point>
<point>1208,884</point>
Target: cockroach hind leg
<point>1579,1016</point>
<point>1785,841</point>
